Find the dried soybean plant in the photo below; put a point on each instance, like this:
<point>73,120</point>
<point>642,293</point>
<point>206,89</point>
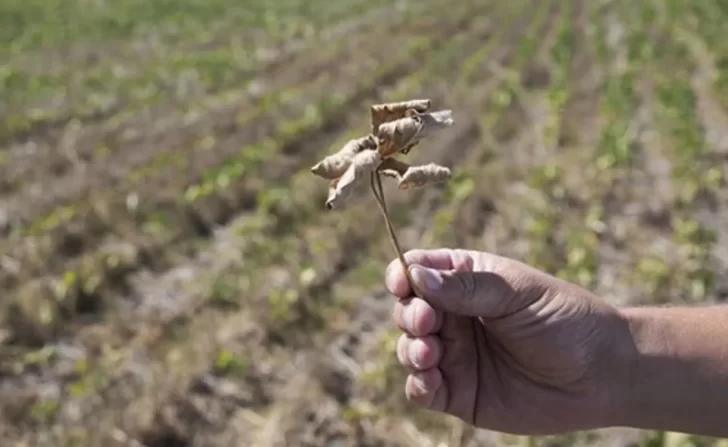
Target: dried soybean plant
<point>396,128</point>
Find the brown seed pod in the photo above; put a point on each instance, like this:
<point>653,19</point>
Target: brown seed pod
<point>422,175</point>
<point>398,134</point>
<point>412,176</point>
<point>382,113</point>
<point>402,134</point>
<point>362,164</point>
<point>334,165</point>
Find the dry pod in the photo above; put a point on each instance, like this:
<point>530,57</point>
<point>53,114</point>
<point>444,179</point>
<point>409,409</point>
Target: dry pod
<point>362,164</point>
<point>382,113</point>
<point>413,176</point>
<point>422,175</point>
<point>402,134</point>
<point>334,165</point>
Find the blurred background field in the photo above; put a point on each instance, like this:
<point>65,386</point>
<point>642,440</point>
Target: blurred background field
<point>169,275</point>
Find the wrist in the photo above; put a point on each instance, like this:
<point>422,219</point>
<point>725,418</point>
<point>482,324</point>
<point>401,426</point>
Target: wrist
<point>645,347</point>
<point>675,370</point>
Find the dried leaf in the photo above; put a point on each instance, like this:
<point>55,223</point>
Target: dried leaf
<point>424,174</point>
<point>362,164</point>
<point>403,134</point>
<point>334,165</point>
<point>382,113</point>
<point>435,121</point>
<point>432,122</point>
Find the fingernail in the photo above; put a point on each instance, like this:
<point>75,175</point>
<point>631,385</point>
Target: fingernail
<point>426,278</point>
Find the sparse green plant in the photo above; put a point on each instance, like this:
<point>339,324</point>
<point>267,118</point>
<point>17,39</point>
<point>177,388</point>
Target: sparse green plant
<point>45,409</point>
<point>230,363</point>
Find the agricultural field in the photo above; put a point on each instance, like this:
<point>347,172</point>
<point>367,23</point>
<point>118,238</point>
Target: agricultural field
<point>169,275</point>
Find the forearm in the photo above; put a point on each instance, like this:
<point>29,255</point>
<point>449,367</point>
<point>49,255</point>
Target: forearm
<point>679,374</point>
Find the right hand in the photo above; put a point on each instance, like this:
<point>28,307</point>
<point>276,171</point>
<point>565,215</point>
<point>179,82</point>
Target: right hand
<point>506,347</point>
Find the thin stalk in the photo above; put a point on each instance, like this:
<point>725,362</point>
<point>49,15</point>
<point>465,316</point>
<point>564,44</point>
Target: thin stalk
<point>378,190</point>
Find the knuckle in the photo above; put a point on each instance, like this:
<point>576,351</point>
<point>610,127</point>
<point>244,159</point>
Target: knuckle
<point>468,286</point>
<point>414,255</point>
<point>462,260</point>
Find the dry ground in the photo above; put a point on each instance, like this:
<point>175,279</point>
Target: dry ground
<point>168,273</point>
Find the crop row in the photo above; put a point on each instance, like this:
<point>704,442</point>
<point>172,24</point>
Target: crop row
<point>484,64</point>
<point>567,191</point>
<point>559,91</point>
<point>548,100</point>
<point>577,237</point>
<point>508,122</point>
<point>528,71</point>
<point>462,193</point>
<point>683,135</point>
<point>707,20</point>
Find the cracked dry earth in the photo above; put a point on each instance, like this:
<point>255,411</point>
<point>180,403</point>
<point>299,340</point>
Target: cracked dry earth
<point>170,276</point>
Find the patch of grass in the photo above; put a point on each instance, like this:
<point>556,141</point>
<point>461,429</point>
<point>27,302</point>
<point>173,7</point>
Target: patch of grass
<point>616,145</point>
<point>558,92</point>
<point>460,188</point>
<point>230,363</point>
<point>546,182</point>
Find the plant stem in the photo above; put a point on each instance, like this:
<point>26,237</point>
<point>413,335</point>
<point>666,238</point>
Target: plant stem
<point>378,190</point>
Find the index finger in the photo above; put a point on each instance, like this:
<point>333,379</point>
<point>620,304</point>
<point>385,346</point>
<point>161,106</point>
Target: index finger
<point>439,259</point>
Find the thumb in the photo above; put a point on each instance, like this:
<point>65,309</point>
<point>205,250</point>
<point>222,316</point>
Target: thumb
<point>466,293</point>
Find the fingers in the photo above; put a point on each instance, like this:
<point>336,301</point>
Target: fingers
<point>474,294</point>
<point>427,389</point>
<point>440,259</point>
<point>425,385</point>
<point>419,353</point>
<point>417,317</point>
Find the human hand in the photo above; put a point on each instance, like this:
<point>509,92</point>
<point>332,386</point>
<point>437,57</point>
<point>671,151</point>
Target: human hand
<point>506,347</point>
